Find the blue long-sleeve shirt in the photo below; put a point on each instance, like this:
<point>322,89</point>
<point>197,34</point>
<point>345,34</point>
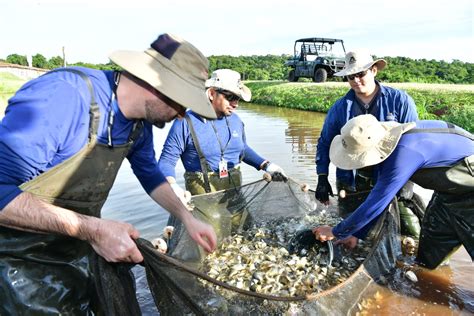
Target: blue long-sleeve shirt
<point>390,105</point>
<point>47,121</point>
<point>414,151</point>
<point>179,144</point>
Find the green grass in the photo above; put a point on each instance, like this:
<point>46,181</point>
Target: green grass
<point>452,103</point>
<point>9,83</point>
<point>432,101</point>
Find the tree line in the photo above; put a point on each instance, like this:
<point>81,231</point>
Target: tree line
<point>271,67</point>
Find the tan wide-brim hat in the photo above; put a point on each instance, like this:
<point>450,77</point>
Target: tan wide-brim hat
<point>364,141</point>
<point>174,67</point>
<point>358,61</point>
<point>229,80</point>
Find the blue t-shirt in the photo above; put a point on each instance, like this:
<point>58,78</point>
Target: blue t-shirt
<point>414,151</point>
<point>47,121</point>
<point>390,105</point>
<point>225,134</point>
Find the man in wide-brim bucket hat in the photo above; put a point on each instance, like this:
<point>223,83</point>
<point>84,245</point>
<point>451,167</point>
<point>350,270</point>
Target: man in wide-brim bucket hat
<point>366,96</point>
<point>63,139</point>
<point>364,141</point>
<point>435,155</point>
<point>358,61</point>
<point>174,67</point>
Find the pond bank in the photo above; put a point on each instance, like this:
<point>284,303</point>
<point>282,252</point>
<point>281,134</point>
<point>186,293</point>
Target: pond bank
<point>452,103</point>
<point>448,102</point>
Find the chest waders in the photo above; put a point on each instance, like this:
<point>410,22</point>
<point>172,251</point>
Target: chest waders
<point>449,217</point>
<point>44,274</point>
<point>208,181</point>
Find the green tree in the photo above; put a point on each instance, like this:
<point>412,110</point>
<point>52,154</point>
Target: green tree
<point>39,61</point>
<point>55,62</point>
<point>108,66</point>
<point>271,67</point>
<point>17,59</point>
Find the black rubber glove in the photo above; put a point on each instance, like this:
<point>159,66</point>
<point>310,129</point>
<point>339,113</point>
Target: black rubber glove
<point>323,189</point>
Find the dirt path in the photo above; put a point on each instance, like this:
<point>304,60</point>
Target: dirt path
<point>410,85</point>
<point>433,86</point>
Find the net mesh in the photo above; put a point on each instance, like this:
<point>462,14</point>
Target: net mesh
<point>181,283</point>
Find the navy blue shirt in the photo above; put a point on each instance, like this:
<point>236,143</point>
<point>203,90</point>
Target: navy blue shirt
<point>390,105</point>
<point>230,138</point>
<point>47,121</point>
<point>414,151</point>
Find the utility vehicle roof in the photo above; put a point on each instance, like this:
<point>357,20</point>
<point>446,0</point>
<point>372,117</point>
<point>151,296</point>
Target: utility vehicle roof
<point>319,39</point>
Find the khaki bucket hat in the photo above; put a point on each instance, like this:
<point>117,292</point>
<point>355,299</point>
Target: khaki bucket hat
<point>229,80</point>
<point>174,67</point>
<point>364,141</point>
<point>358,61</point>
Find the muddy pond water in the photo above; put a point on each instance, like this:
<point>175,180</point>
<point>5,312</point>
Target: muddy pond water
<point>288,137</point>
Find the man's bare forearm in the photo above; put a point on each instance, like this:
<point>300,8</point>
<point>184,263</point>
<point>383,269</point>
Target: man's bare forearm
<point>201,232</point>
<point>165,196</point>
<point>111,239</point>
<point>29,213</point>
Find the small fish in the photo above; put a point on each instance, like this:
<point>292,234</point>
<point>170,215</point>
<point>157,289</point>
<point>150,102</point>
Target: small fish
<point>410,275</point>
<point>160,244</point>
<point>168,231</point>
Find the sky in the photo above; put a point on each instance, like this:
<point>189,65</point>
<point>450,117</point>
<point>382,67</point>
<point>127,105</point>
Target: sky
<point>91,29</point>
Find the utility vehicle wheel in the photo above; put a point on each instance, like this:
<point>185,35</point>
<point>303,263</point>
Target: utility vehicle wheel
<point>320,75</point>
<point>292,77</point>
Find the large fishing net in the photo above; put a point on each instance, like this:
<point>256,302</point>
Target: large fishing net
<point>252,271</point>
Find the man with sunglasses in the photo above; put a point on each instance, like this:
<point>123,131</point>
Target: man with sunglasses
<point>366,96</point>
<point>62,141</point>
<point>211,150</point>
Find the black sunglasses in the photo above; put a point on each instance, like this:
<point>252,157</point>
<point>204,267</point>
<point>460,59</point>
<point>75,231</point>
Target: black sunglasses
<point>229,96</point>
<point>358,75</point>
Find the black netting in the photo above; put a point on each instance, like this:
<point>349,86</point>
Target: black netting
<point>115,286</point>
<point>180,281</point>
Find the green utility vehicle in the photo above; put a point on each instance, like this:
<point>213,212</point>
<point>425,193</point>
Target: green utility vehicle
<point>317,58</point>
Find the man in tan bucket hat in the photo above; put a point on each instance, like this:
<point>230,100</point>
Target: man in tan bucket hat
<point>358,62</point>
<point>173,67</point>
<point>435,155</point>
<point>62,141</point>
<point>366,96</point>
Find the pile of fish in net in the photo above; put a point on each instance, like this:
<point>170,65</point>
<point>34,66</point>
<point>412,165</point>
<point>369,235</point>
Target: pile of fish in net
<point>258,259</point>
<point>255,270</point>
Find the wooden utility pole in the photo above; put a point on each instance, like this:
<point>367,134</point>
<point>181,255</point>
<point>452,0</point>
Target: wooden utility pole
<point>64,57</point>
